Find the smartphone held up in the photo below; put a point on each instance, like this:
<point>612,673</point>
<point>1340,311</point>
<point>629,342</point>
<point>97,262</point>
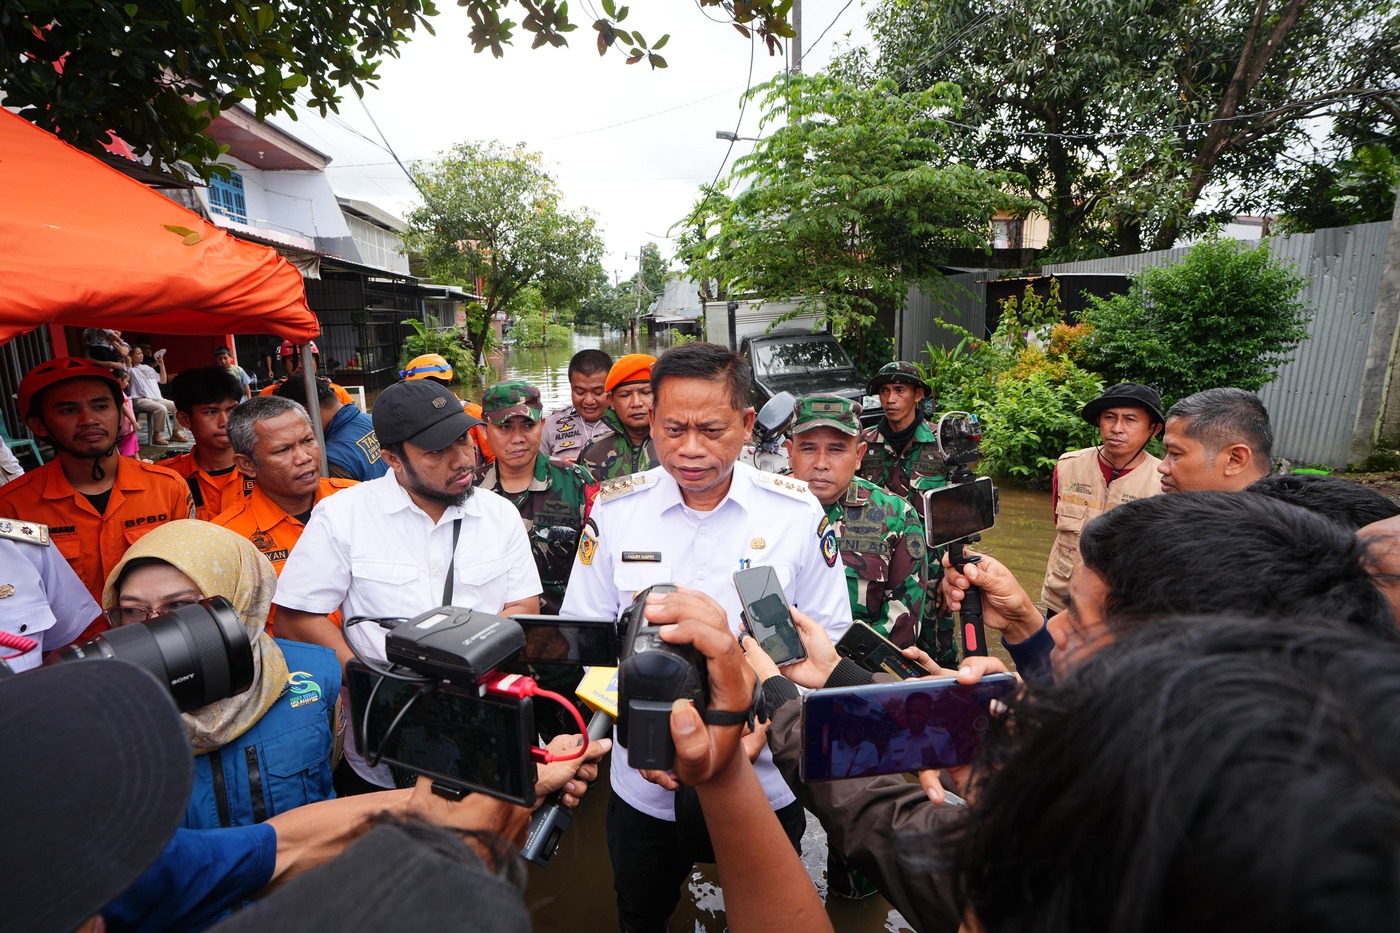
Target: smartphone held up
<point>766,615</point>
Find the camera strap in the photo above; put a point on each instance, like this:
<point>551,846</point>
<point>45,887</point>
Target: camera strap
<point>451,565</point>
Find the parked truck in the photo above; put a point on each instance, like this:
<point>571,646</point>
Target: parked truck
<point>799,356</point>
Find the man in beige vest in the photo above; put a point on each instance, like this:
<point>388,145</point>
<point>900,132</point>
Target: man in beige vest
<point>1091,481</point>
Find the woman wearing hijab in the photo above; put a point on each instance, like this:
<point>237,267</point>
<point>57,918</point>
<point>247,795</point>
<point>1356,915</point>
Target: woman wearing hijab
<point>270,748</point>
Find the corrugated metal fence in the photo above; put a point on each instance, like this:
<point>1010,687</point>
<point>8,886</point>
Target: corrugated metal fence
<point>1325,402</point>
<point>963,303</point>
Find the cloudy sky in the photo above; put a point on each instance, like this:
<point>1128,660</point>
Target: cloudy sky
<point>630,143</point>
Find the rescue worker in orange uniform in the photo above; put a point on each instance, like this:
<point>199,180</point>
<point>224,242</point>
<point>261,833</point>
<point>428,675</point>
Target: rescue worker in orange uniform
<point>433,366</point>
<point>274,446</point>
<point>203,398</point>
<point>95,502</point>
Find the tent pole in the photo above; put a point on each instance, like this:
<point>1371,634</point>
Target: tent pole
<point>313,406</point>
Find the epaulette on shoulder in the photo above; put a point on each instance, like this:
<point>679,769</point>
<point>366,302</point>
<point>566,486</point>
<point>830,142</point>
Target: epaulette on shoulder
<point>15,529</point>
<point>611,489</point>
<point>795,488</point>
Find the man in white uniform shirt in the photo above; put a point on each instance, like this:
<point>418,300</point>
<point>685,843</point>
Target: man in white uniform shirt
<point>694,521</point>
<point>416,538</point>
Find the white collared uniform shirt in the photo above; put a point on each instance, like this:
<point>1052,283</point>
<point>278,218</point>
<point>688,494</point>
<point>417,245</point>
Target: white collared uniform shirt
<point>41,599</point>
<point>370,551</point>
<point>763,519</point>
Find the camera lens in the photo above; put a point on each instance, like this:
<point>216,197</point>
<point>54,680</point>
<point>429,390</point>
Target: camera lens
<point>200,652</point>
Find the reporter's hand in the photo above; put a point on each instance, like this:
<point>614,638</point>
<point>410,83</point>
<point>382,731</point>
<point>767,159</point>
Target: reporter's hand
<point>971,671</point>
<point>813,670</point>
<point>1006,607</point>
<point>685,603</point>
<point>572,776</point>
<point>479,812</point>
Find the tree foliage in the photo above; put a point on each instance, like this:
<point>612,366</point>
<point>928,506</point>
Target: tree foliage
<point>493,215</point>
<point>156,72</point>
<point>1226,315</point>
<point>1137,120</point>
<point>848,202</point>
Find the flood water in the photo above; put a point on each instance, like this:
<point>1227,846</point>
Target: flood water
<point>574,893</point>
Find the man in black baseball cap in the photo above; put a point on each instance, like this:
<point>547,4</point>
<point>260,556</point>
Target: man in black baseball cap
<point>420,537</point>
<point>1091,481</point>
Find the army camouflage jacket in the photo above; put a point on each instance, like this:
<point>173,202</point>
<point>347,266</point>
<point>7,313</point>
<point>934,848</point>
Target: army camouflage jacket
<point>920,464</point>
<point>881,541</point>
<point>613,454</point>
<point>553,507</point>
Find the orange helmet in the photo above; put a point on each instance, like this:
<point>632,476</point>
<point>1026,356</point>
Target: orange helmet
<point>290,349</point>
<point>47,375</point>
<point>429,364</point>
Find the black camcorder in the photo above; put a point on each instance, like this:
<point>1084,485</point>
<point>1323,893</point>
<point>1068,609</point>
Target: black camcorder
<point>455,701</point>
<point>200,652</point>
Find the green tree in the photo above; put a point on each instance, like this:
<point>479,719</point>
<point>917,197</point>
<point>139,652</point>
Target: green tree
<point>1128,116</point>
<point>1226,315</point>
<point>849,201</point>
<point>494,214</point>
<point>156,72</point>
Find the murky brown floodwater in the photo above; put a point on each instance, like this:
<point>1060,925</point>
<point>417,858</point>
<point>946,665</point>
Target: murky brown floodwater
<point>574,894</point>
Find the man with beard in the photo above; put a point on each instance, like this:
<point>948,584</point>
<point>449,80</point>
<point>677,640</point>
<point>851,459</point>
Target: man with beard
<point>95,502</point>
<point>414,539</point>
<point>627,447</point>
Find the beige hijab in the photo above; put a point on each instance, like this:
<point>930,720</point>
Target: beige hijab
<point>220,563</point>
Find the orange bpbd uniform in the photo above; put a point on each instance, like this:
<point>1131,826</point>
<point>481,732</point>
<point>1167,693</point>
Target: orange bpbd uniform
<point>212,494</point>
<point>339,391</point>
<point>271,529</point>
<point>478,433</point>
<point>144,496</point>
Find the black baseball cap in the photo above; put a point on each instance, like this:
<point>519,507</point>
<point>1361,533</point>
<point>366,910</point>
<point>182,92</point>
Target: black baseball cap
<point>422,412</point>
<point>1125,395</point>
<point>97,771</point>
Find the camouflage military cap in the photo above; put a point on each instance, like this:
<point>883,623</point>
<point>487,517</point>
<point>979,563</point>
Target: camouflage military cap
<point>827,411</point>
<point>898,371</point>
<point>505,400</point>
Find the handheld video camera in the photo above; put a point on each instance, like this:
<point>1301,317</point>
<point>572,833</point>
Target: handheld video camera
<point>455,701</point>
<point>956,514</point>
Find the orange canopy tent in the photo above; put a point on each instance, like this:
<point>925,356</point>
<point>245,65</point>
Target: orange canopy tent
<point>84,245</point>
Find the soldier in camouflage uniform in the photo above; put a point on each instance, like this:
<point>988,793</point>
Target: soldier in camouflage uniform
<point>626,447</point>
<point>879,535</point>
<point>902,457</point>
<point>552,495</point>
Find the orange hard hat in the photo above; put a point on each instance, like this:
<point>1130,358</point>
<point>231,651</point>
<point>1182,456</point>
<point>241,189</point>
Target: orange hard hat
<point>47,375</point>
<point>429,364</point>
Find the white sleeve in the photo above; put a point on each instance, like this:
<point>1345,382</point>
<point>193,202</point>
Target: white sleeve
<point>819,588</point>
<point>523,578</point>
<point>70,602</point>
<point>316,576</point>
<point>591,591</point>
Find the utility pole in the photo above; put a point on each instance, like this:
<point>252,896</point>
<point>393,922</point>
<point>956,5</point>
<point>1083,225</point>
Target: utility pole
<point>797,37</point>
<point>637,315</point>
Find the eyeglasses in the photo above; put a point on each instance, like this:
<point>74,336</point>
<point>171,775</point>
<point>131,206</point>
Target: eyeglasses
<point>131,615</point>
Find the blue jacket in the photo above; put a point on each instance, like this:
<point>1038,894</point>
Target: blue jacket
<point>284,760</point>
<point>352,446</point>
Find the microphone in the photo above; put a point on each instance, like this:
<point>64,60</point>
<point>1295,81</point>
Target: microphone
<point>547,824</point>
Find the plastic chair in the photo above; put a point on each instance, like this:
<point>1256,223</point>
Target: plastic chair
<point>16,444</point>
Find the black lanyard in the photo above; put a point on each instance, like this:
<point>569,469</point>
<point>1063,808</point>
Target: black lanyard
<point>451,564</point>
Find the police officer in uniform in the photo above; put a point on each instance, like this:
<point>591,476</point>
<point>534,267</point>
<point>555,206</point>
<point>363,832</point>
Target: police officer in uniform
<point>694,521</point>
<point>879,535</point>
<point>902,457</point>
<point>41,598</point>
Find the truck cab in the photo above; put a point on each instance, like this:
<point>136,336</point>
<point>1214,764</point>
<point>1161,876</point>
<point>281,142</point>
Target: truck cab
<point>805,363</point>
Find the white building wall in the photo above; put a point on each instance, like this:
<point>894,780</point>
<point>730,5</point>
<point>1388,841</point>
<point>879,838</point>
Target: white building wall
<point>380,248</point>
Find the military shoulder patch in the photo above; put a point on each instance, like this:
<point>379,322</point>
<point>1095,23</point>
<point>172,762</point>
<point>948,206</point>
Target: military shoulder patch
<point>611,489</point>
<point>13,529</point>
<point>795,488</point>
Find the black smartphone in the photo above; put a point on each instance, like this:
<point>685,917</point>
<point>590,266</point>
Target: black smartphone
<point>451,734</point>
<point>876,653</point>
<point>893,728</point>
<point>562,640</point>
<point>766,614</point>
<point>958,511</point>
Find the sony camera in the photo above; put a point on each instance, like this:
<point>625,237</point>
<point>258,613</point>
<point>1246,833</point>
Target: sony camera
<point>201,652</point>
<point>455,701</point>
